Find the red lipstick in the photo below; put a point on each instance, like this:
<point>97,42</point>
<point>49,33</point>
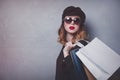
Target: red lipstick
<point>71,27</point>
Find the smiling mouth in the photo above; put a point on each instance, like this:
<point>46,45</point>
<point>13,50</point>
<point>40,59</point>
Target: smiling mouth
<point>71,27</point>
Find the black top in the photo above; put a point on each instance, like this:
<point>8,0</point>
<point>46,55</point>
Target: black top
<point>65,67</point>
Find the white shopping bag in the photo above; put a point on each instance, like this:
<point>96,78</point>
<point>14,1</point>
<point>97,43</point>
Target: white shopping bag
<point>100,60</point>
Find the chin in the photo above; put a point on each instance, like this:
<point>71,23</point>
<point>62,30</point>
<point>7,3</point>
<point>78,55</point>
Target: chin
<point>72,32</point>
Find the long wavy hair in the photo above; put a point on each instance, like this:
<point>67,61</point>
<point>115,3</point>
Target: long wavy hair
<point>81,34</point>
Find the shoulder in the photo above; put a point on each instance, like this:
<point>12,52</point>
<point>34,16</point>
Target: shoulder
<point>82,43</point>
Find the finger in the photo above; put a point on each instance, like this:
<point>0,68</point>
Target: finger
<point>74,45</point>
<point>68,43</point>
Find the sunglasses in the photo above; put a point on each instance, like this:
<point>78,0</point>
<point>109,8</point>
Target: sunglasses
<point>68,20</point>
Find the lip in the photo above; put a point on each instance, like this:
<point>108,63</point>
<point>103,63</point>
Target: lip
<point>71,27</point>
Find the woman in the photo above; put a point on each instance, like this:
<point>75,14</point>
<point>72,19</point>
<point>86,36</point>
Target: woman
<point>70,32</point>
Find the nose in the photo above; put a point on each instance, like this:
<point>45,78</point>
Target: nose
<point>72,22</point>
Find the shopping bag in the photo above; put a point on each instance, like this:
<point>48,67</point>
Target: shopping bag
<point>81,72</point>
<point>78,66</point>
<point>99,59</point>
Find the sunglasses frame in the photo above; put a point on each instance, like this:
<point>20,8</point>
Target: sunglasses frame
<point>69,20</point>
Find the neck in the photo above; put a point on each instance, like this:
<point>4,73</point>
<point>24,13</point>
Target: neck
<point>69,37</point>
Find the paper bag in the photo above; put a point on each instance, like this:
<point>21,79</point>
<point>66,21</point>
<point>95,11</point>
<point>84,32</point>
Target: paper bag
<point>100,60</point>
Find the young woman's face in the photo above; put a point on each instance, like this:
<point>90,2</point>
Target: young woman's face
<point>72,24</point>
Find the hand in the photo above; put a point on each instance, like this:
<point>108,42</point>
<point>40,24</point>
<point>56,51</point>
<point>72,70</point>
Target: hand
<point>67,48</point>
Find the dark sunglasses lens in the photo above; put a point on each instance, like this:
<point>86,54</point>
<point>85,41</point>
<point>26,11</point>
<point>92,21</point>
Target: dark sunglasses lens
<point>77,21</point>
<point>68,20</point>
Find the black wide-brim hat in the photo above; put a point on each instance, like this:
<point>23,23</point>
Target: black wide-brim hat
<point>74,11</point>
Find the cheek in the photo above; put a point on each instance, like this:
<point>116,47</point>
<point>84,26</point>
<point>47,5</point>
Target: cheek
<point>66,26</point>
<point>77,28</point>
